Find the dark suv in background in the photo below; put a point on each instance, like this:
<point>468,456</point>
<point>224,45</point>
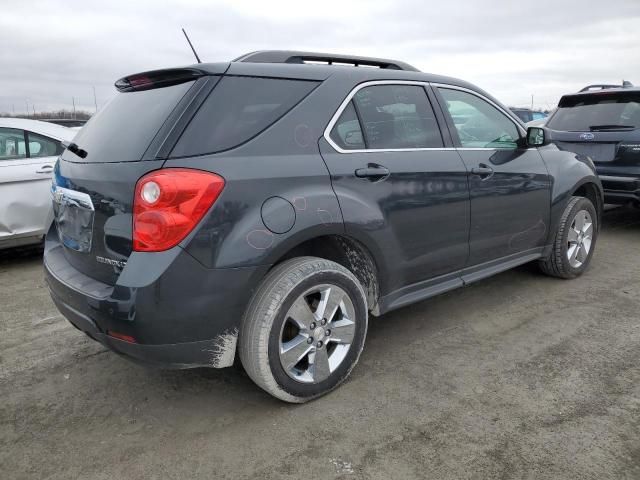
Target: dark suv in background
<point>603,122</point>
<point>273,202</point>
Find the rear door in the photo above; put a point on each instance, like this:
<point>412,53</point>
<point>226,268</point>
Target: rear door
<point>401,190</point>
<point>509,184</point>
<point>26,164</point>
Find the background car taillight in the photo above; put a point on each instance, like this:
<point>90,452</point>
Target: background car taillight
<point>169,203</point>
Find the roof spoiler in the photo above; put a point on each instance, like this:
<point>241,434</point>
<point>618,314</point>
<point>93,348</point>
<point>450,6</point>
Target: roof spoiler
<point>605,86</point>
<point>290,56</point>
<point>157,79</point>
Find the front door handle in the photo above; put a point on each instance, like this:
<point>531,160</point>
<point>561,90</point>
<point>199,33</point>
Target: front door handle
<point>482,171</point>
<point>373,172</point>
<point>45,169</point>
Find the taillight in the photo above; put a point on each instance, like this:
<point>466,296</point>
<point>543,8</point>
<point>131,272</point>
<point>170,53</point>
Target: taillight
<point>169,203</point>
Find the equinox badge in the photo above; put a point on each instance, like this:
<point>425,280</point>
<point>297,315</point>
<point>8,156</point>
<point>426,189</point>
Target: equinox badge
<point>110,261</point>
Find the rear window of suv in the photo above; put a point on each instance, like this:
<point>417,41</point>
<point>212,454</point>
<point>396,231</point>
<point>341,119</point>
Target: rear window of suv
<point>579,113</point>
<point>122,130</point>
<point>238,109</point>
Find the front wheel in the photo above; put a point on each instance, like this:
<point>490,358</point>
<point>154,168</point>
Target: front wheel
<point>304,329</point>
<point>575,240</point>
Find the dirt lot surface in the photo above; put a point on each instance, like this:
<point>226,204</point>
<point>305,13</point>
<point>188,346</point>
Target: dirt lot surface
<point>519,376</point>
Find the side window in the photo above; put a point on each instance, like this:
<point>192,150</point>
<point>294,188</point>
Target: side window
<point>397,116</point>
<point>40,146</point>
<point>479,124</point>
<point>347,133</point>
<point>237,110</point>
<point>12,144</point>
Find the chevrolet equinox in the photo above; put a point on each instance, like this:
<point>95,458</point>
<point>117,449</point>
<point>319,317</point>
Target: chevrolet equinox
<point>263,208</point>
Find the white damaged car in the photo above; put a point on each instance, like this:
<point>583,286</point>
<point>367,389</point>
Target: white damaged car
<point>28,152</point>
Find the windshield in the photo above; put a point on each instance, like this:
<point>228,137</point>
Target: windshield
<point>606,110</point>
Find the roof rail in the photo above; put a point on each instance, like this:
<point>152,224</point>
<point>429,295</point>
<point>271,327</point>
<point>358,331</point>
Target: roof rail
<point>604,86</point>
<point>286,56</point>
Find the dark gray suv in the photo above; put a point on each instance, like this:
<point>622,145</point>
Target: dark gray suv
<point>266,206</point>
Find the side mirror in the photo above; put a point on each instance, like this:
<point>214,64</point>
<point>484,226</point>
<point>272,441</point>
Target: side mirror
<point>537,137</point>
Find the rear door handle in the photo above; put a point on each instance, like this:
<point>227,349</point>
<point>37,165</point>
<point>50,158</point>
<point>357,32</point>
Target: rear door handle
<point>45,169</point>
<point>482,171</point>
<point>373,172</point>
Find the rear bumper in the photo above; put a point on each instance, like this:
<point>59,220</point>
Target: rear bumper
<point>181,315</point>
<point>619,190</point>
<point>217,353</point>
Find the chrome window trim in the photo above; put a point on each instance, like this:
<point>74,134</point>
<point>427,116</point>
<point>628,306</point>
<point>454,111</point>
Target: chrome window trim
<point>357,88</point>
<point>345,102</point>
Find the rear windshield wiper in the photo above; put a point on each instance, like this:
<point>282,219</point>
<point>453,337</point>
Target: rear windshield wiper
<point>74,148</point>
<point>594,128</point>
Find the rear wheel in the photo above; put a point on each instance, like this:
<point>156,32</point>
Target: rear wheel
<point>574,241</point>
<point>304,329</point>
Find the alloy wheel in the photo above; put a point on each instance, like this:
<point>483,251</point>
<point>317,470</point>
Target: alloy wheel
<point>579,239</point>
<point>317,333</point>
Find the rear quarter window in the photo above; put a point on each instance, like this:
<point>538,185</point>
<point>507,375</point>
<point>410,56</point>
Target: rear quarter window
<point>238,109</point>
<point>41,146</point>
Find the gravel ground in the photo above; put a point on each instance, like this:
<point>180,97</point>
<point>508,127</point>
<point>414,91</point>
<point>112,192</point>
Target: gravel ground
<point>518,376</point>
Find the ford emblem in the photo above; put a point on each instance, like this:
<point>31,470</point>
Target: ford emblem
<point>587,136</point>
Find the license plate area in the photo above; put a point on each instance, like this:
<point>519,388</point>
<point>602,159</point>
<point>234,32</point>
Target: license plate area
<point>73,213</point>
<point>599,152</point>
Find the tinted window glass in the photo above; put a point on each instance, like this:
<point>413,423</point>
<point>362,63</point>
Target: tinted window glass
<point>397,116</point>
<point>238,109</point>
<point>12,144</point>
<point>123,129</point>
<point>479,124</point>
<point>347,133</point>
<point>581,112</point>
<point>524,115</point>
<point>40,146</point>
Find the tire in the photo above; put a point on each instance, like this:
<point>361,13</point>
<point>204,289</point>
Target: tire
<point>276,329</point>
<point>559,263</point>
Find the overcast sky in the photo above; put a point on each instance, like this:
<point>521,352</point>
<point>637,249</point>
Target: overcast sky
<point>51,51</point>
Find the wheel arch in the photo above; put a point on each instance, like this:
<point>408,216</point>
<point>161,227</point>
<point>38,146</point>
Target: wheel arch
<point>590,190</point>
<point>346,251</point>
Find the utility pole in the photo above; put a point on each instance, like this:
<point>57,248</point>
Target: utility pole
<point>13,107</point>
<point>95,99</point>
<point>532,101</point>
<point>73,100</point>
<point>34,110</point>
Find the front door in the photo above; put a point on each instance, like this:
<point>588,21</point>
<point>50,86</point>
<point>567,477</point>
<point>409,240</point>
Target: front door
<point>509,182</point>
<point>401,192</point>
